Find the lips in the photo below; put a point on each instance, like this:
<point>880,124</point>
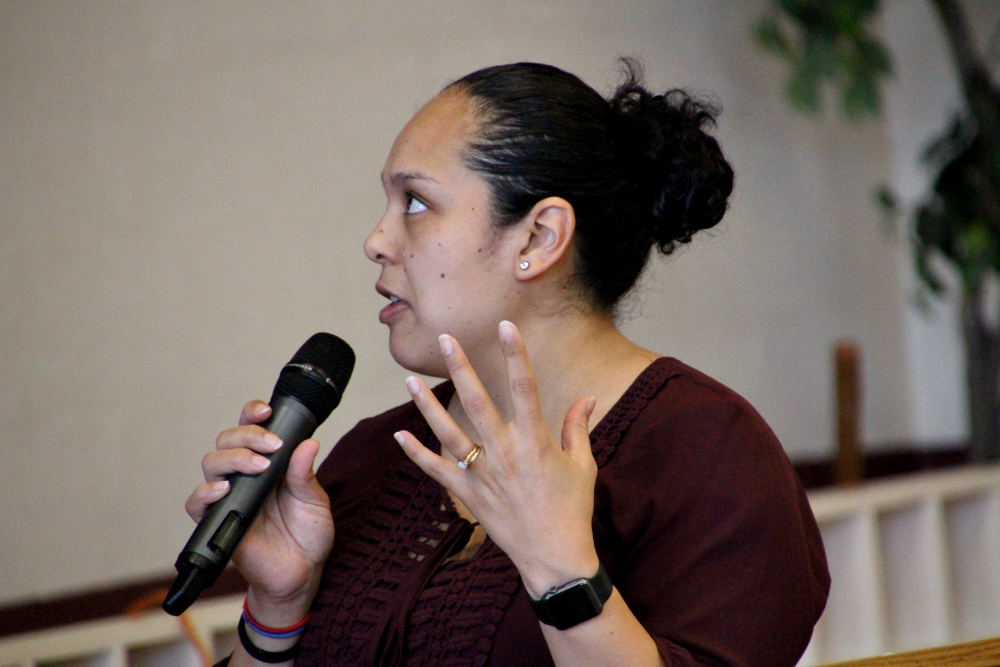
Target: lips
<point>395,307</point>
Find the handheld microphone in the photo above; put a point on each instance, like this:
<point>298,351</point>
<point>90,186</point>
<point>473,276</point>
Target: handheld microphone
<point>309,387</point>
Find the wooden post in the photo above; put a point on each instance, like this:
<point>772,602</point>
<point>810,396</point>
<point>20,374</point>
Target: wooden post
<point>849,466</point>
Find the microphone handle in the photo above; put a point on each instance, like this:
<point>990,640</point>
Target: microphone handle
<point>225,521</point>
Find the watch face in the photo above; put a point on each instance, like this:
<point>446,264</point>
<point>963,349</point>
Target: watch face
<point>573,605</point>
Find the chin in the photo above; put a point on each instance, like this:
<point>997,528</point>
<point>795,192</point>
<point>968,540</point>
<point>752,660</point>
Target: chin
<point>416,354</point>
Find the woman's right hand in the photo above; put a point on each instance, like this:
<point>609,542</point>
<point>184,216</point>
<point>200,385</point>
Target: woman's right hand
<point>282,554</point>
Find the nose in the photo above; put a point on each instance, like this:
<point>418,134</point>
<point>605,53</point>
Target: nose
<point>378,246</point>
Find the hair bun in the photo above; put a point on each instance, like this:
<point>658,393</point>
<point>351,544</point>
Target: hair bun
<point>639,169</point>
<point>683,181</point>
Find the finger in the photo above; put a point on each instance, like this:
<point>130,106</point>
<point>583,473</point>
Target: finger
<point>304,505</point>
<point>576,427</point>
<point>521,380</point>
<point>254,412</point>
<point>301,479</point>
<point>216,465</point>
<point>471,392</point>
<point>445,473</point>
<point>248,437</point>
<point>203,496</point>
<point>453,439</point>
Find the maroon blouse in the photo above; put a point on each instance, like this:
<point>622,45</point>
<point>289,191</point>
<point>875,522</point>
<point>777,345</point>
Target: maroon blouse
<point>699,519</point>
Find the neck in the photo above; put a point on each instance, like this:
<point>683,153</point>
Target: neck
<point>574,354</point>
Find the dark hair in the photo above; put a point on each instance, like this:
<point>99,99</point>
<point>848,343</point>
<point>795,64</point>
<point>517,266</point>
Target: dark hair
<point>638,169</point>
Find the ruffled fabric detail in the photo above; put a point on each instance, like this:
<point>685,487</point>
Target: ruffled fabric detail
<point>608,433</point>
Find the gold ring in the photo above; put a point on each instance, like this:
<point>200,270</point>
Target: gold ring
<point>471,457</point>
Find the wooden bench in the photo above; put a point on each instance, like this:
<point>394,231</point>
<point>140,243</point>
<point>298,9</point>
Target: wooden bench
<point>985,653</point>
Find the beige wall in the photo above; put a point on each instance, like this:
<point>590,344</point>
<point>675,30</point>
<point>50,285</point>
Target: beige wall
<point>919,105</point>
<point>184,190</point>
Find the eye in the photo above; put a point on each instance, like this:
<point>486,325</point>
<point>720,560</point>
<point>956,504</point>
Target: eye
<point>414,205</point>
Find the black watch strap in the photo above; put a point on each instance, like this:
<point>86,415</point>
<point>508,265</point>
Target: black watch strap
<point>270,657</point>
<point>574,602</point>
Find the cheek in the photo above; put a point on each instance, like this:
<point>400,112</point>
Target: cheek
<point>455,274</point>
<point>470,301</point>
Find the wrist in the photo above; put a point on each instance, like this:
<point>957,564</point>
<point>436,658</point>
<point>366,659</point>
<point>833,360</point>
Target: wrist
<point>270,644</point>
<point>575,602</point>
<point>265,648</point>
<point>539,578</point>
<point>278,612</point>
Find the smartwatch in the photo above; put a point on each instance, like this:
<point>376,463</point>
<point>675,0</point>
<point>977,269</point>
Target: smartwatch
<point>575,602</point>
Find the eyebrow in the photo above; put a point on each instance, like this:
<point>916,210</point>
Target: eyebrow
<point>404,176</point>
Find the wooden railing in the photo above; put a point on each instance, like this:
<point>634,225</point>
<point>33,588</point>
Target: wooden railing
<point>915,563</point>
<point>147,639</point>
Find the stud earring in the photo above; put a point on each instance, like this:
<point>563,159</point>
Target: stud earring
<point>524,265</point>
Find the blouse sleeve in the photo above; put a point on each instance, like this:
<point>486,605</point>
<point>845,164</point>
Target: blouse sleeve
<point>707,533</point>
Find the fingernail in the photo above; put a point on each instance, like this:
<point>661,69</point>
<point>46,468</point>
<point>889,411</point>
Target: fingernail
<point>272,440</point>
<point>399,437</point>
<point>412,385</point>
<point>506,331</point>
<point>447,345</point>
<point>263,409</point>
<point>220,486</point>
<point>260,462</point>
<point>591,405</point>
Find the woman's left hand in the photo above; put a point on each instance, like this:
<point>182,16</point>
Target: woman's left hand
<point>533,495</point>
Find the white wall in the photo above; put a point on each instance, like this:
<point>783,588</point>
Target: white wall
<point>184,190</point>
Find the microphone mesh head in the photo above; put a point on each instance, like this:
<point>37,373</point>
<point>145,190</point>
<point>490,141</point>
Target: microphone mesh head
<point>324,356</point>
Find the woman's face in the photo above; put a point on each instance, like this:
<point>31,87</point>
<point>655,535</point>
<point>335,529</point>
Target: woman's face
<point>445,268</point>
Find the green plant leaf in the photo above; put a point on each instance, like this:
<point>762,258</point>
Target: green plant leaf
<point>889,208</point>
<point>770,35</point>
<point>828,43</point>
<point>803,90</point>
<point>860,98</point>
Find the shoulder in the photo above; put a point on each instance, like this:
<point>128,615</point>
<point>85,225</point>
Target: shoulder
<point>702,522</point>
<point>684,413</point>
<point>696,399</point>
<point>694,452</point>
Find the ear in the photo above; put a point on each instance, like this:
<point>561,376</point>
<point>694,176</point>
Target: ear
<point>550,224</point>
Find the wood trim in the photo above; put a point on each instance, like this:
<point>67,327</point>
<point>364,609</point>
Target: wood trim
<point>101,603</point>
<point>889,461</point>
<point>985,653</point>
<point>848,467</point>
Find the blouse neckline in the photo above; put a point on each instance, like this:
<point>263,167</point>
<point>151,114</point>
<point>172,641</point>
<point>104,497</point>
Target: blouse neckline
<point>605,436</point>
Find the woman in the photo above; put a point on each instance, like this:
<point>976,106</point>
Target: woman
<point>568,497</point>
